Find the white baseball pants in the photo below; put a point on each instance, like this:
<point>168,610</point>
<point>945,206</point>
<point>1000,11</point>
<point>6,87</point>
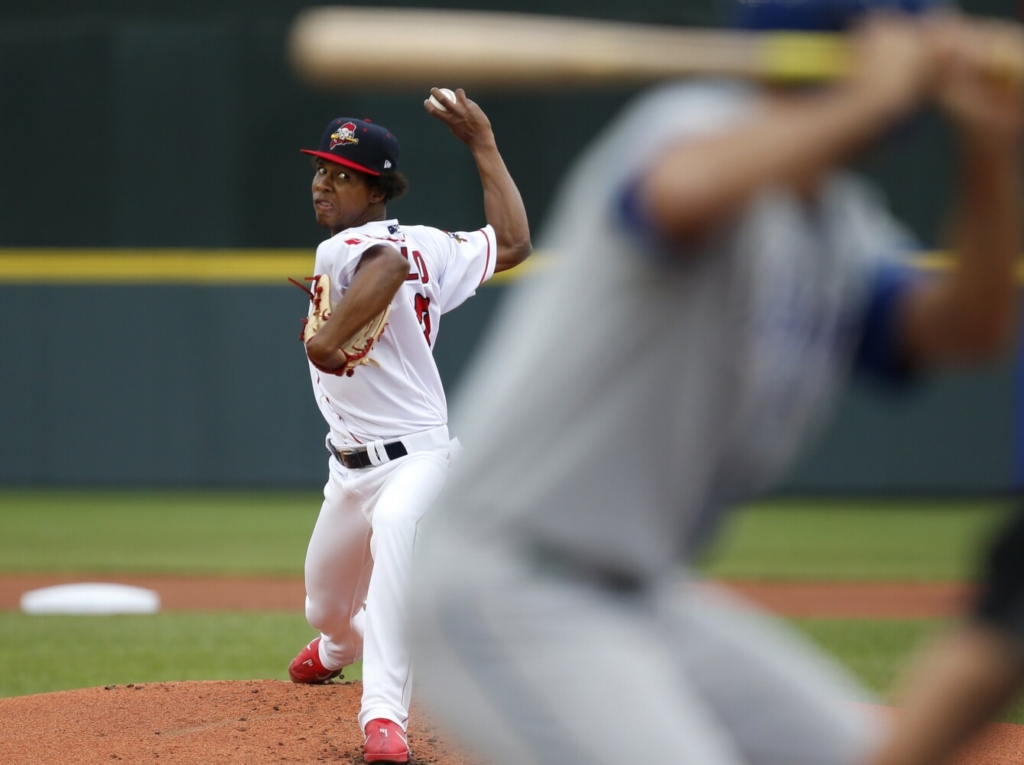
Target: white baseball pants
<point>358,567</point>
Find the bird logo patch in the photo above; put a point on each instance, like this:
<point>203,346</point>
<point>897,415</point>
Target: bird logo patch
<point>343,135</point>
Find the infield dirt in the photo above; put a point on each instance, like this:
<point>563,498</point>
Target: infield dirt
<point>869,600</point>
<point>269,721</point>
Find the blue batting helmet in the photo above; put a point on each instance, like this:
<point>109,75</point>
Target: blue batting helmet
<point>817,15</point>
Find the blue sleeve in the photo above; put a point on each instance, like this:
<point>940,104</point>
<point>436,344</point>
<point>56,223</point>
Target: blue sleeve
<point>632,215</point>
<point>635,220</point>
<point>879,352</point>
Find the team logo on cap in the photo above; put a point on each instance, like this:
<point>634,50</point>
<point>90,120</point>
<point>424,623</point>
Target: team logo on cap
<point>344,134</point>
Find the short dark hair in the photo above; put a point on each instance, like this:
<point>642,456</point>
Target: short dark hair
<point>393,184</point>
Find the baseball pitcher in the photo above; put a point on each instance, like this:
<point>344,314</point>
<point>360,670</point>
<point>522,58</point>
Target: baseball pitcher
<point>377,296</point>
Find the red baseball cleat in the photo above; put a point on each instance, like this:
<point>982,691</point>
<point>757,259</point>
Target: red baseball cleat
<point>306,667</point>
<point>385,742</point>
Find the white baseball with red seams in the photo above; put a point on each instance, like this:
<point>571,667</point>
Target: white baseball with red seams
<point>448,94</point>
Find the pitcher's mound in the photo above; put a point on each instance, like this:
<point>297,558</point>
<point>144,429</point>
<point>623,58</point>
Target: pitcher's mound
<point>251,722</point>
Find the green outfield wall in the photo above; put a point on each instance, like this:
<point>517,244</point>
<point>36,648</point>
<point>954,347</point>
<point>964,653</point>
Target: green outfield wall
<point>140,135</point>
<point>206,385</point>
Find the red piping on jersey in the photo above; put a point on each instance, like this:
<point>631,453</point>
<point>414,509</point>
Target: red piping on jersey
<point>487,263</point>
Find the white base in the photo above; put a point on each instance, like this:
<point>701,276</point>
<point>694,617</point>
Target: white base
<point>90,598</point>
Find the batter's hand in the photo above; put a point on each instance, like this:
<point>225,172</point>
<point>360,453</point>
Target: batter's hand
<point>981,83</point>
<point>464,118</point>
<point>893,63</point>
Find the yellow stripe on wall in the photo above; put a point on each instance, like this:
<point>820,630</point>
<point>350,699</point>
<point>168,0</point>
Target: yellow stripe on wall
<point>158,266</point>
<point>167,266</point>
<point>220,266</point>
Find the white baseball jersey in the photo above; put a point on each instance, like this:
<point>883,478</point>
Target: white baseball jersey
<point>642,389</point>
<point>404,394</point>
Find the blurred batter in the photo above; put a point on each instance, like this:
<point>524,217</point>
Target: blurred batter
<point>720,277</point>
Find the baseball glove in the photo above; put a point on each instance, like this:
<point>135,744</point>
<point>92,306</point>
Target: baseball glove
<point>357,349</point>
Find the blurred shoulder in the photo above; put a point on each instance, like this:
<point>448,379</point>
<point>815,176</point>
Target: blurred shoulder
<point>690,106</point>
<point>664,115</point>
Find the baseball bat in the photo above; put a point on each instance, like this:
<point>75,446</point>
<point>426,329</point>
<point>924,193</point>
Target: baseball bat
<point>351,47</point>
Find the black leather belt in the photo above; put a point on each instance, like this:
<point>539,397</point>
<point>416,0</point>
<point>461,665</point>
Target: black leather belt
<point>354,459</point>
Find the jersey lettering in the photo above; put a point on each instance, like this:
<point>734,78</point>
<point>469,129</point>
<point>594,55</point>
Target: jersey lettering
<point>422,308</point>
<point>420,266</point>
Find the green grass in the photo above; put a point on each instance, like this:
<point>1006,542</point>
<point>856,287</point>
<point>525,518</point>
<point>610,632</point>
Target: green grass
<point>39,654</point>
<point>265,533</point>
<point>877,653</point>
<point>874,651</point>
<point>859,540</point>
<point>156,532</point>
<point>116,650</point>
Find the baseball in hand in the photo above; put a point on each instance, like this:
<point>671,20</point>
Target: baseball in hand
<point>448,94</point>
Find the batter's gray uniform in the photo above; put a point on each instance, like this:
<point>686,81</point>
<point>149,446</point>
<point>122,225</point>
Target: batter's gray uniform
<point>623,403</point>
